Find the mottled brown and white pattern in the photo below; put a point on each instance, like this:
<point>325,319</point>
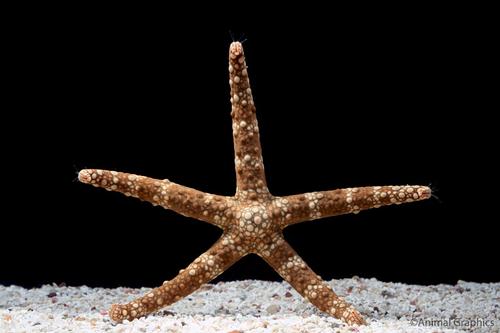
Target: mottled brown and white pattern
<point>252,219</point>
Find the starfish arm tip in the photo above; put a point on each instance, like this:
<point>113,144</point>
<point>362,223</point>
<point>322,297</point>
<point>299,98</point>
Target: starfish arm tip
<point>85,176</point>
<point>235,49</point>
<point>424,192</point>
<point>117,313</point>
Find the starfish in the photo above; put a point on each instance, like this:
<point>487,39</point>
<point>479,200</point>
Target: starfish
<point>252,220</point>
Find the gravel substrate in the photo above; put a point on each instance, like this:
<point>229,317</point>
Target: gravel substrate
<point>256,306</point>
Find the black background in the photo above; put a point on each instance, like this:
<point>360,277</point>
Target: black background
<point>340,102</point>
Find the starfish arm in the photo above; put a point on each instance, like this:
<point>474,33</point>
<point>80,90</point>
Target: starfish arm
<point>301,277</point>
<point>183,200</point>
<point>205,268</point>
<point>250,176</point>
<point>314,205</point>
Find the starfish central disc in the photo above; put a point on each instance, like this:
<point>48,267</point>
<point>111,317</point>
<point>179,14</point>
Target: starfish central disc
<point>254,223</point>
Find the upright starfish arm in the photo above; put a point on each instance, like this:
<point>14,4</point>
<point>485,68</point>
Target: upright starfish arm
<point>250,176</point>
<point>183,200</point>
<point>314,205</point>
<point>302,278</point>
<point>205,268</point>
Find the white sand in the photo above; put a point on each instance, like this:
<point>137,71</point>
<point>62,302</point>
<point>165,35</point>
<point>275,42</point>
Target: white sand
<point>254,306</point>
